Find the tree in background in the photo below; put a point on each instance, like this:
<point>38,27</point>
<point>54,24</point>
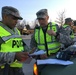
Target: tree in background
<point>61,18</point>
<point>27,26</point>
<point>0,19</point>
<point>20,25</point>
<point>36,23</point>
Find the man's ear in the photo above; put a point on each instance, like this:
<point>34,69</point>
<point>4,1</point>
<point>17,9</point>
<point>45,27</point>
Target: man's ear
<point>47,17</point>
<point>4,16</point>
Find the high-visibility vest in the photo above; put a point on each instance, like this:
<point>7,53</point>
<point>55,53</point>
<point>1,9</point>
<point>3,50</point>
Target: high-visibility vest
<point>53,45</point>
<point>11,43</point>
<point>72,34</point>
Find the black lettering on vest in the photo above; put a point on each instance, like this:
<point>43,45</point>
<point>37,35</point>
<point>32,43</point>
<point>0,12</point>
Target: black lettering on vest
<point>17,43</point>
<point>13,43</point>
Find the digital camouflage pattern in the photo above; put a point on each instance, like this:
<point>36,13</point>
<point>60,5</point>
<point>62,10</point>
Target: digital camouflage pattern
<point>63,37</point>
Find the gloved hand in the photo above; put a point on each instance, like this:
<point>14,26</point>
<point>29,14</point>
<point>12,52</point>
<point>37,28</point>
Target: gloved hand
<point>64,55</point>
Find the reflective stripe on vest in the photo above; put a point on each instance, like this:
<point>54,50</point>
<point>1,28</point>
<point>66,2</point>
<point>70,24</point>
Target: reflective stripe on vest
<point>53,45</point>
<point>9,37</point>
<point>72,35</point>
<point>12,43</point>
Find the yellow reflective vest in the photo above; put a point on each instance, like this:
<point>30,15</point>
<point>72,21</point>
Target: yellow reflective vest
<point>11,43</point>
<point>53,45</point>
<point>72,34</point>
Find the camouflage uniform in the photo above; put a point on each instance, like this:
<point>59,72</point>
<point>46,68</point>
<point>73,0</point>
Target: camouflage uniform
<point>63,37</point>
<point>9,57</point>
<point>6,57</point>
<point>68,30</point>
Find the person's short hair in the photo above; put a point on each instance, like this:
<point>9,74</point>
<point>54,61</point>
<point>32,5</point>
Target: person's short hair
<point>9,10</point>
<point>42,13</point>
<point>68,20</point>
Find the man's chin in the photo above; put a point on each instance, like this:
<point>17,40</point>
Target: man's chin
<point>12,27</point>
<point>42,25</point>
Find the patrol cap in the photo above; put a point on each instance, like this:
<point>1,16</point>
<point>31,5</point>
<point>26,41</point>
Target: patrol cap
<point>42,13</point>
<point>68,20</point>
<point>11,11</point>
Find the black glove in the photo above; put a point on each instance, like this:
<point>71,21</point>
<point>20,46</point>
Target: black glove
<point>64,55</point>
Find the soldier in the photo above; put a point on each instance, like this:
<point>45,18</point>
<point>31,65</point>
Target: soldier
<point>48,36</point>
<point>11,45</point>
<point>68,27</point>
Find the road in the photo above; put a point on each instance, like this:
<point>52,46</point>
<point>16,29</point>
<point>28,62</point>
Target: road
<point>28,68</point>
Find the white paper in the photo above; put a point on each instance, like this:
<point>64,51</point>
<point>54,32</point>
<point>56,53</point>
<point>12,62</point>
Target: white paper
<point>54,61</point>
<point>38,52</point>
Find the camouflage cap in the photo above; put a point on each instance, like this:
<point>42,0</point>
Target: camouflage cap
<point>42,13</point>
<point>11,11</point>
<point>68,20</point>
